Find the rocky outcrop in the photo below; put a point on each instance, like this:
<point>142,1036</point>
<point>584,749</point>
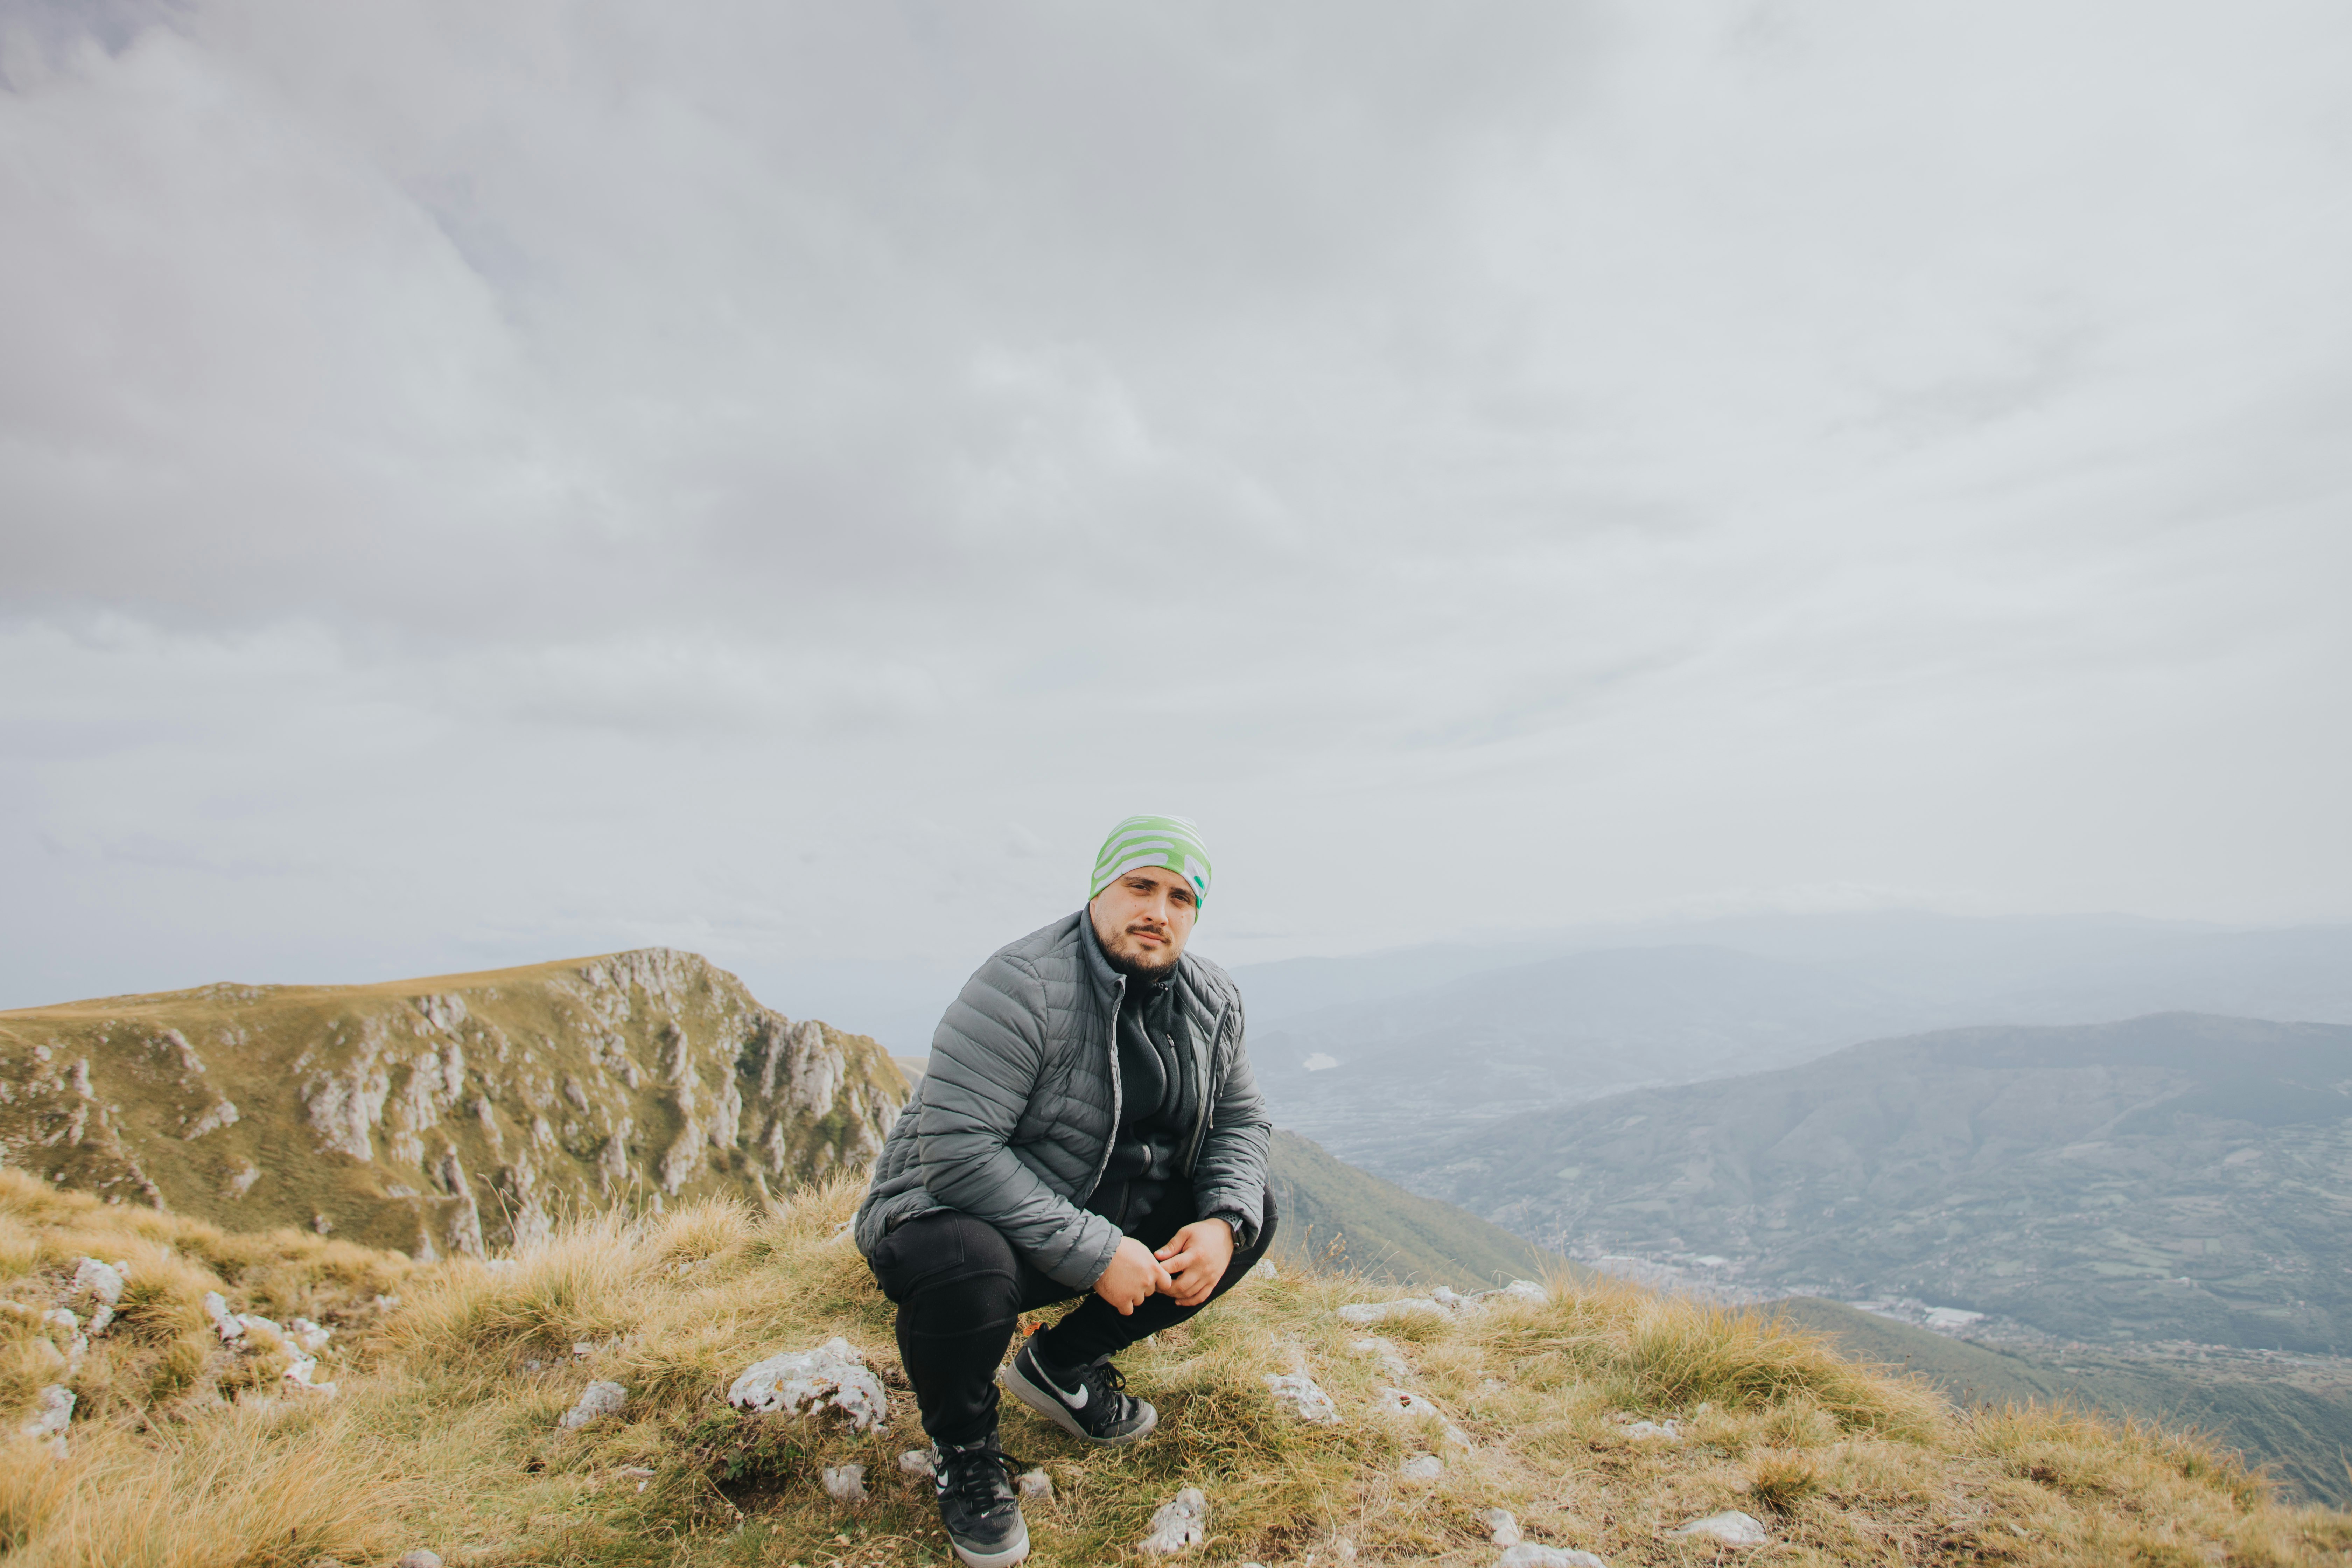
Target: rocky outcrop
<point>455,1116</point>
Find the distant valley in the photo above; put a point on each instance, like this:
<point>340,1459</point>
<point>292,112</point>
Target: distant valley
<point>2174,1177</point>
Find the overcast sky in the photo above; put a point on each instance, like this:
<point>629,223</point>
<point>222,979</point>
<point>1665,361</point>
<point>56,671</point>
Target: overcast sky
<point>480,484</point>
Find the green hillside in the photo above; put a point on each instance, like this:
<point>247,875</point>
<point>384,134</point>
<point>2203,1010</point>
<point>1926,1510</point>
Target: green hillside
<point>2301,1435</point>
<point>1339,1216</point>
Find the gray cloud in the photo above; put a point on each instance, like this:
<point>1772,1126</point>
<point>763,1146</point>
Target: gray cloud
<point>781,482</point>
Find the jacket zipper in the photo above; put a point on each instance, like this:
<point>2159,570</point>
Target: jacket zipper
<point>1110,1143</point>
<point>1202,1069</point>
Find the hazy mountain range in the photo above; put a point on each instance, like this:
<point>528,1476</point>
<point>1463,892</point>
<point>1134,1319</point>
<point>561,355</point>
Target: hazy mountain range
<point>1382,1055</point>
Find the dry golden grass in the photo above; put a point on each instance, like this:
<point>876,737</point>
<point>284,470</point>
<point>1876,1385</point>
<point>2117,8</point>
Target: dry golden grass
<point>446,1433</point>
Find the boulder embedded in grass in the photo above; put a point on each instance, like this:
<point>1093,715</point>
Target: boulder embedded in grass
<point>1036,1486</point>
<point>1299,1394</point>
<point>422,1557</point>
<point>1421,1467</point>
<point>1364,1314</point>
<point>918,1462</point>
<point>1502,1528</point>
<point>844,1483</point>
<point>1182,1521</point>
<point>1730,1527</point>
<point>833,1376</point>
<point>52,1413</point>
<point>597,1399</point>
<point>104,1283</point>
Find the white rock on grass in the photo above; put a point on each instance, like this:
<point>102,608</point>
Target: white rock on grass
<point>597,1399</point>
<point>300,1373</point>
<point>1180,1523</point>
<point>1404,1401</point>
<point>422,1557</point>
<point>1656,1431</point>
<point>1421,1468</point>
<point>844,1483</point>
<point>1391,1359</point>
<point>52,1412</point>
<point>1731,1527</point>
<point>1502,1528</point>
<point>833,1376</point>
<point>308,1335</point>
<point>1035,1486</point>
<point>77,1342</point>
<point>1526,1290</point>
<point>225,1322</point>
<point>1527,1554</point>
<point>918,1462</point>
<point>104,1282</point>
<point>1364,1314</point>
<point>1299,1394</point>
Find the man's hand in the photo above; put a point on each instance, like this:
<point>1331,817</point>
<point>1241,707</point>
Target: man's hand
<point>1134,1276</point>
<point>1197,1257</point>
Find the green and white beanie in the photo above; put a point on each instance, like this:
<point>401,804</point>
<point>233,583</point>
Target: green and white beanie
<point>1170,841</point>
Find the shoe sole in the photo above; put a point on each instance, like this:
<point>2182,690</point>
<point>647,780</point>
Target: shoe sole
<point>1044,1402</point>
<point>1004,1557</point>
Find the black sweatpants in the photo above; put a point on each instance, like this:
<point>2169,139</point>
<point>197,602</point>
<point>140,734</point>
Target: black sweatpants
<point>960,1287</point>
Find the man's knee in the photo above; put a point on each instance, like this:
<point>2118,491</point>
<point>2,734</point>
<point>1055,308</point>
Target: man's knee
<point>948,1260</point>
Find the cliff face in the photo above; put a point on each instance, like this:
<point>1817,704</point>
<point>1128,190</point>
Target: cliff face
<point>445,1115</point>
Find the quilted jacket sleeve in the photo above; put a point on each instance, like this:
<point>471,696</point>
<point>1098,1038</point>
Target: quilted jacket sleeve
<point>1229,1176</point>
<point>987,1058</point>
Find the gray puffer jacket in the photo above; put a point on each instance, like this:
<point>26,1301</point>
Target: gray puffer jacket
<point>1014,1119</point>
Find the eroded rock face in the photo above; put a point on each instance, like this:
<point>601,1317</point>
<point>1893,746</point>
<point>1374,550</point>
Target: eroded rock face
<point>456,1118</point>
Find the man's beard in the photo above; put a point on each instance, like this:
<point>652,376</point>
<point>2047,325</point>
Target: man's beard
<point>1138,967</point>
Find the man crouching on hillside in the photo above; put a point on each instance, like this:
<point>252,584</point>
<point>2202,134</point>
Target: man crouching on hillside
<point>1088,1124</point>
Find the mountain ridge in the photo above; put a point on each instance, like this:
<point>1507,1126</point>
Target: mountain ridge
<point>441,1113</point>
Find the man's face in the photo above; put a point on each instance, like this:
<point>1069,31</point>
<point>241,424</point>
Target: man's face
<point>1144,919</point>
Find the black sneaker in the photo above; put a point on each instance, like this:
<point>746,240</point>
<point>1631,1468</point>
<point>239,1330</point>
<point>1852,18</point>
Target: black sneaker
<point>978,1505</point>
<point>1088,1402</point>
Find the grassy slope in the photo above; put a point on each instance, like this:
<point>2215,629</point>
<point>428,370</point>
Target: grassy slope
<point>446,1430</point>
<point>2300,1436</point>
<point>1335,1214</point>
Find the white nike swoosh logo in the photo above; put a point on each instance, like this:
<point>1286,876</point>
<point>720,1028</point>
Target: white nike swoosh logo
<point>1075,1401</point>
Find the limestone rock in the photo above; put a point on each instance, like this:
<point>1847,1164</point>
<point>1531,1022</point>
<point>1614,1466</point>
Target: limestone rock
<point>1391,1359</point>
<point>1404,1401</point>
<point>1364,1314</point>
<point>833,1376</point>
<point>225,1322</point>
<point>597,1399</point>
<point>1502,1528</point>
<point>1036,1486</point>
<point>422,1557</point>
<point>1298,1394</point>
<point>103,1282</point>
<point>1182,1521</point>
<point>919,1462</point>
<point>1527,1554</point>
<point>1655,1431</point>
<point>844,1483</point>
<point>1421,1467</point>
<point>1731,1527</point>
<point>52,1412</point>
